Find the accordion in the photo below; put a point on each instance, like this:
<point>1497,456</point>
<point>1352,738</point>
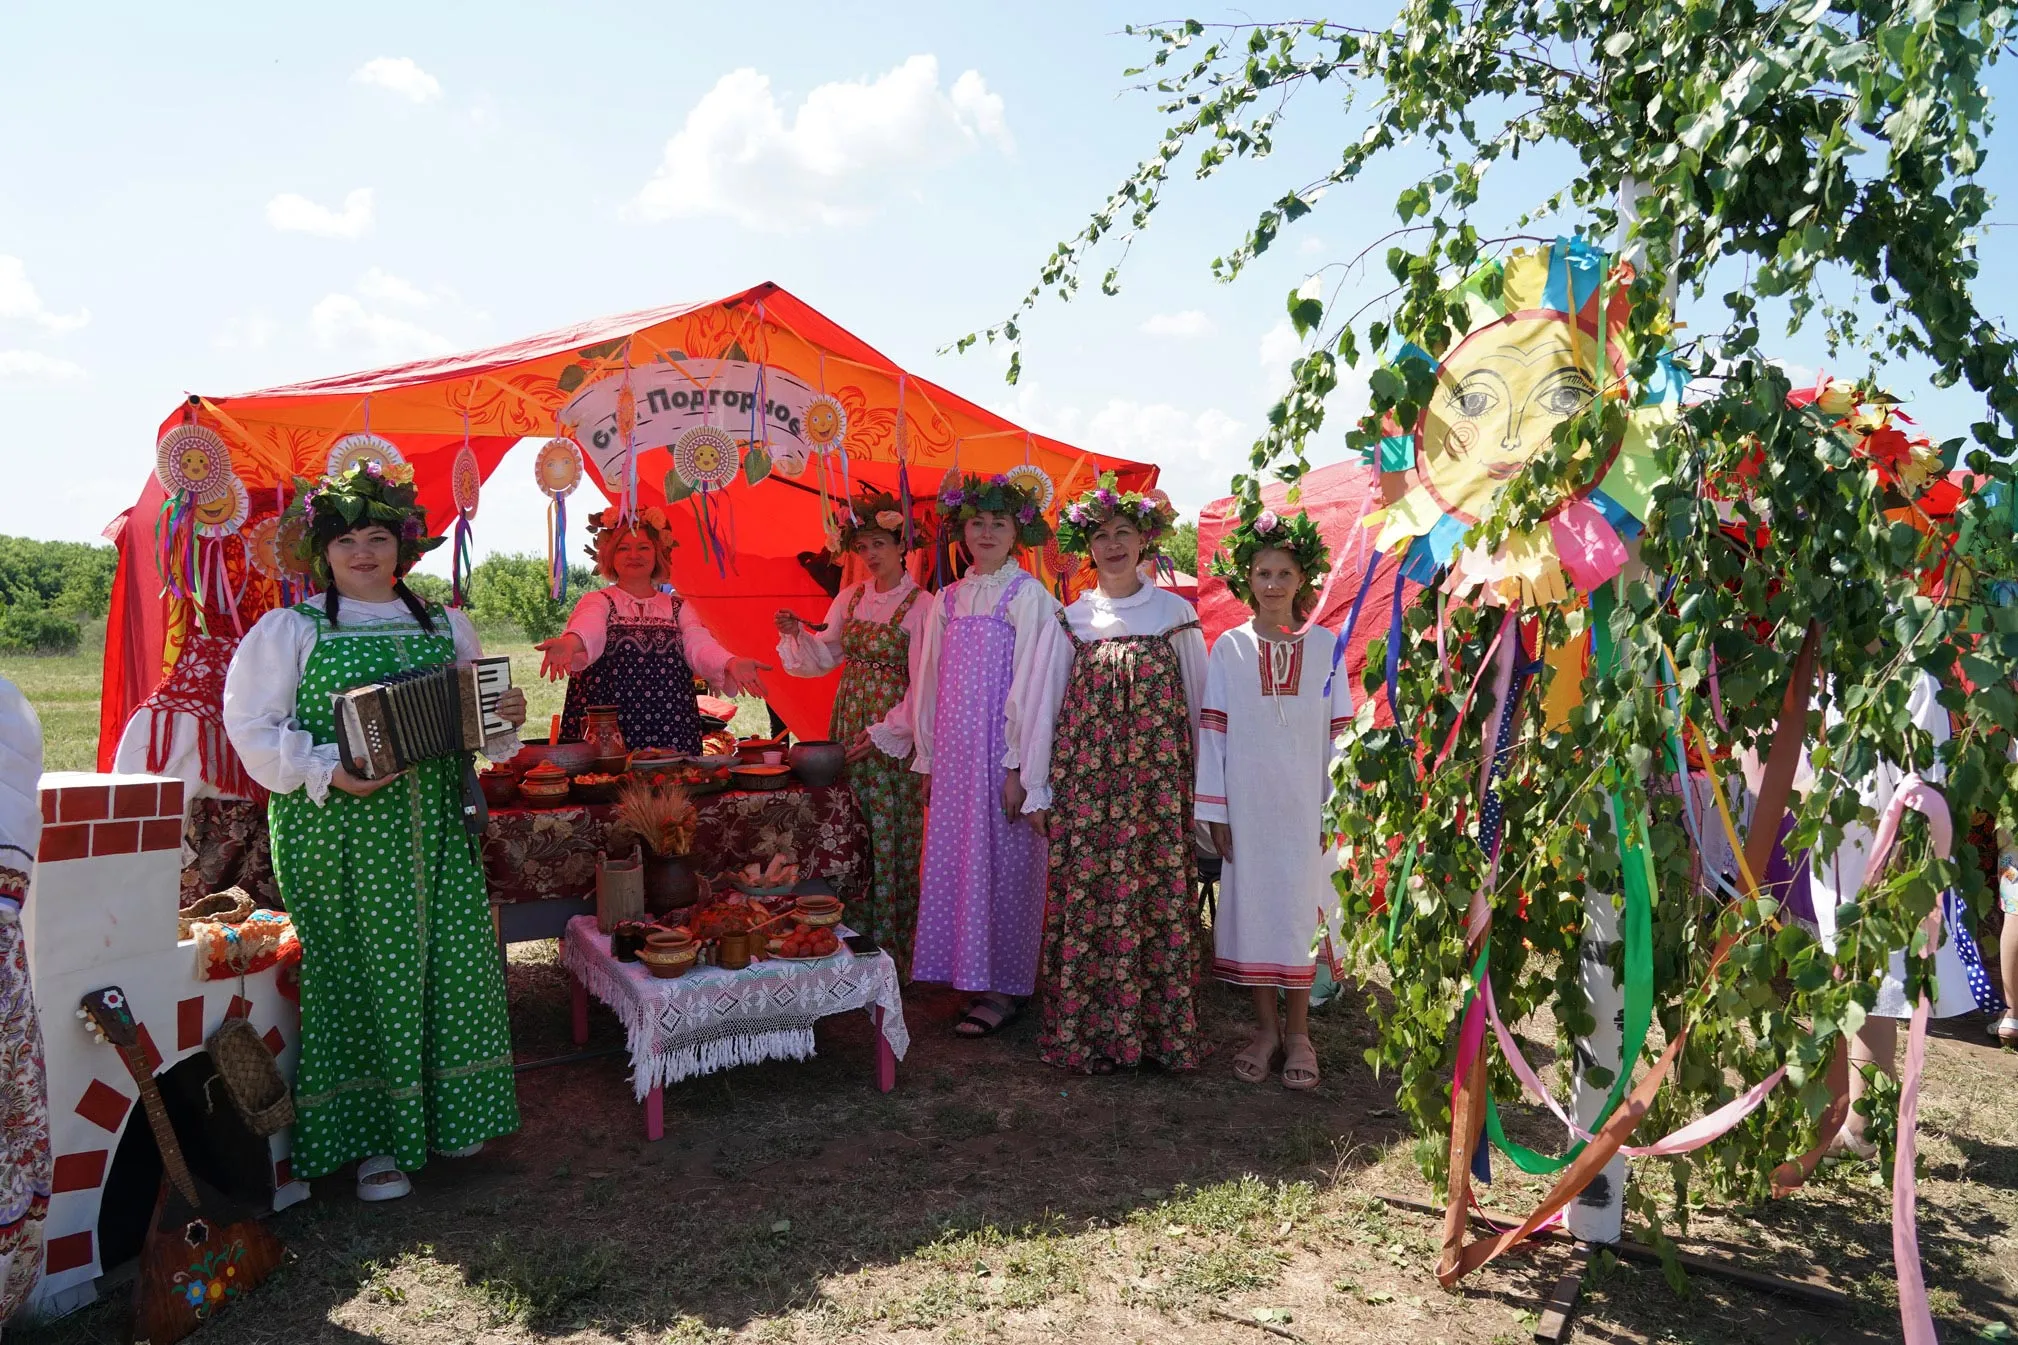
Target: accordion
<point>384,727</point>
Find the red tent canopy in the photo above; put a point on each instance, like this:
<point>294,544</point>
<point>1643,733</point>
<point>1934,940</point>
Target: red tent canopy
<point>1337,498</point>
<point>752,364</point>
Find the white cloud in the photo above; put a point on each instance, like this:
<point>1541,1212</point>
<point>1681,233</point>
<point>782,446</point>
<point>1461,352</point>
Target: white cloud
<point>1199,451</point>
<point>1189,323</point>
<point>20,301</point>
<point>254,331</point>
<point>401,76</point>
<point>32,366</point>
<point>1310,246</point>
<point>384,287</point>
<point>290,213</point>
<point>344,322</point>
<point>837,157</point>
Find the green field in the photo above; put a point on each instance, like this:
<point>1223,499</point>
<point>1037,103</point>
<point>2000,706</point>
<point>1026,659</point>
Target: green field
<point>64,691</point>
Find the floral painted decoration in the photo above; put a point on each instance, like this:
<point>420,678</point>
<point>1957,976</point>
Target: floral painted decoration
<point>1268,530</point>
<point>972,494</point>
<point>366,494</point>
<point>1152,515</point>
<point>871,511</point>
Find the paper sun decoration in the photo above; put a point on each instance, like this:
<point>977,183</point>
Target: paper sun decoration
<point>1036,481</point>
<point>558,469</point>
<point>1529,362</point>
<point>356,450</point>
<point>707,458</point>
<point>825,423</point>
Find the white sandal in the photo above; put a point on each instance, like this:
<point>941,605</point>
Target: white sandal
<point>467,1151</point>
<point>379,1178</point>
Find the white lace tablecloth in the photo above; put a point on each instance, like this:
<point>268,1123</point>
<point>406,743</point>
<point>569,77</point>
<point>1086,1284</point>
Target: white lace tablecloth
<point>711,1019</point>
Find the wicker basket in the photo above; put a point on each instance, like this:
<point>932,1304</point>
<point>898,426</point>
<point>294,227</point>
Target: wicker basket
<point>229,907</point>
<point>251,1076</point>
<point>620,890</point>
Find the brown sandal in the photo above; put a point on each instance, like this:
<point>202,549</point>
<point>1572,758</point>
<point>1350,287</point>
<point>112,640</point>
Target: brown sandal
<point>1299,1063</point>
<point>1258,1061</point>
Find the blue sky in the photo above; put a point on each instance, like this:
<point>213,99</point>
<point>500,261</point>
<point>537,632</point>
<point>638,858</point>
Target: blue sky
<point>231,196</point>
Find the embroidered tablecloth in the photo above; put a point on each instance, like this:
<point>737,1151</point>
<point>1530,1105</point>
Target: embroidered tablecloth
<point>712,1019</point>
<point>534,854</point>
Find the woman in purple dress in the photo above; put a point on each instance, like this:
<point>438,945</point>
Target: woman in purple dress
<point>982,710</point>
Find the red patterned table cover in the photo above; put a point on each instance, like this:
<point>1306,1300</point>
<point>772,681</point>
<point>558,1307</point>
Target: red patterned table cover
<point>536,854</point>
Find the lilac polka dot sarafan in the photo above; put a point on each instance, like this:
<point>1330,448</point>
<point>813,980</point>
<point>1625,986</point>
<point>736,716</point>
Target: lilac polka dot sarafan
<point>981,905</point>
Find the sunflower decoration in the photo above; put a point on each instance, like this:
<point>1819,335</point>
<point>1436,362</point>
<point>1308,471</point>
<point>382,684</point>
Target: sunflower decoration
<point>1268,531</point>
<point>871,511</point>
<point>1541,349</point>
<point>1151,513</point>
<point>962,499</point>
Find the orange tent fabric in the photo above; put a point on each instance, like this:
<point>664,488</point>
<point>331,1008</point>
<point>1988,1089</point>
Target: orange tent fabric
<point>715,363</point>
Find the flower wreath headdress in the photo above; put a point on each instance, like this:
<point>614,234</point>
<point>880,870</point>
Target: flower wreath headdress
<point>872,510</point>
<point>1296,534</point>
<point>366,494</point>
<point>651,521</point>
<point>972,495</point>
<point>1152,516</point>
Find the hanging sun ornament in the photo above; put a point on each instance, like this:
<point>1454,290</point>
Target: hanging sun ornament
<point>192,459</point>
<point>1036,481</point>
<point>262,548</point>
<point>1539,353</point>
<point>465,481</point>
<point>357,450</point>
<point>223,515</point>
<point>206,503</point>
<point>707,458</point>
<point>825,423</point>
<point>558,470</point>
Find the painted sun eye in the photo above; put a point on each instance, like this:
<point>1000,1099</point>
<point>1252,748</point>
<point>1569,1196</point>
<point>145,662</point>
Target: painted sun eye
<point>1471,403</point>
<point>1564,399</point>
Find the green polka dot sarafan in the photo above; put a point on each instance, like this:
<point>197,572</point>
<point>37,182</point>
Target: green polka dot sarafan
<point>405,1046</point>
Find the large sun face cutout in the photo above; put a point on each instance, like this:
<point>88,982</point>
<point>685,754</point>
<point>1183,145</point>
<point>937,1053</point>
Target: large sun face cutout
<point>1499,397</point>
<point>1530,362</point>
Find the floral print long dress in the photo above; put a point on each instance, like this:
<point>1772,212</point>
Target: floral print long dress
<point>1122,937</point>
<point>875,675</point>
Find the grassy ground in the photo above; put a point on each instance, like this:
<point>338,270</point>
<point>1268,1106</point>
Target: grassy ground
<point>990,1198</point>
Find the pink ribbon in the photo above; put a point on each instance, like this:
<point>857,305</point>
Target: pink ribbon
<point>1916,1318</point>
<point>1690,1137</point>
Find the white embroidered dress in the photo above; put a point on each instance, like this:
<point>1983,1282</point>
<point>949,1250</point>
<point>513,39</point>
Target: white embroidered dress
<point>1264,768</point>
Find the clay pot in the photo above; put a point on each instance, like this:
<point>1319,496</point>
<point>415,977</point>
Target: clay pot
<point>604,738</point>
<point>669,883</point>
<point>819,763</point>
